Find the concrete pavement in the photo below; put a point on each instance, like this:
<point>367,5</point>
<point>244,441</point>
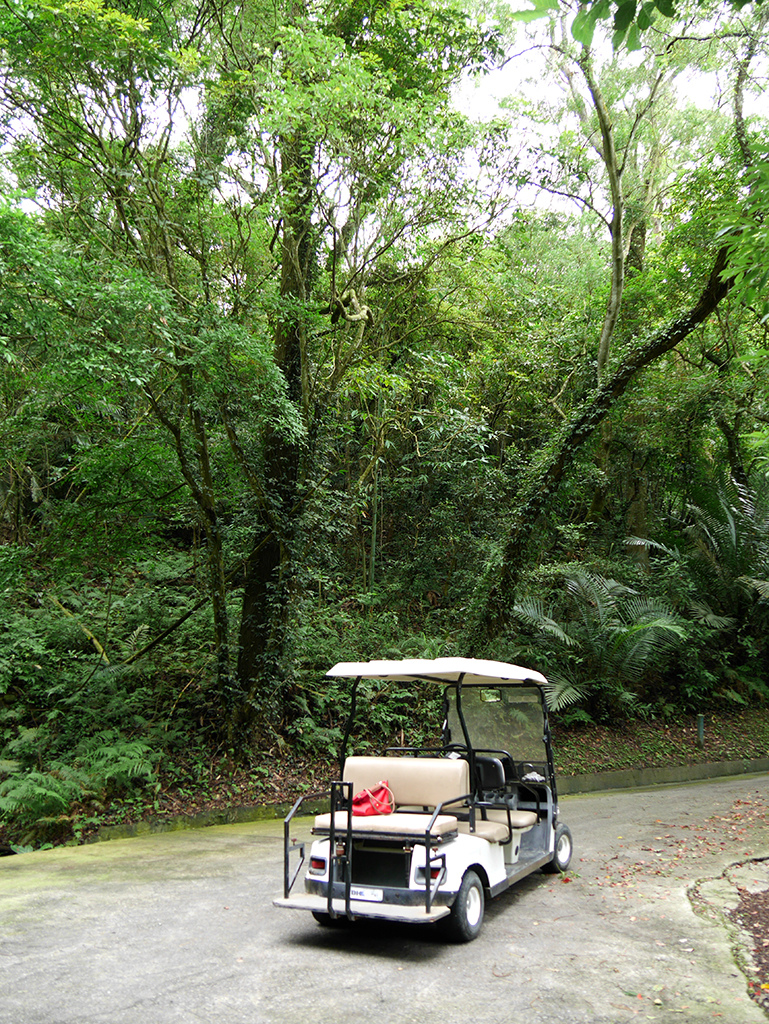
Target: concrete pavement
<point>179,927</point>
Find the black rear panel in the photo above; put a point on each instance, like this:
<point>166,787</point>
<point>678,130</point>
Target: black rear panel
<point>380,864</point>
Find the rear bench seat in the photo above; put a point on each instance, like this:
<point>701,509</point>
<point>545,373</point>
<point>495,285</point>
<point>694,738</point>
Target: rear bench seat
<point>418,784</point>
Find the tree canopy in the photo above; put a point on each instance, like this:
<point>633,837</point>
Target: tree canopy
<point>301,364</point>
<point>629,19</point>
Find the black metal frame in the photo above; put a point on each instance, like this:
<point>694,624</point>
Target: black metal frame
<point>546,736</point>
<point>341,800</point>
<point>288,845</point>
<point>340,864</point>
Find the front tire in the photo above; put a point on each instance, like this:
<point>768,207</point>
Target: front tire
<point>466,918</point>
<point>561,852</point>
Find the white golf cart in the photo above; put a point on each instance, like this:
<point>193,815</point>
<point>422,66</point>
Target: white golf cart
<point>468,818</point>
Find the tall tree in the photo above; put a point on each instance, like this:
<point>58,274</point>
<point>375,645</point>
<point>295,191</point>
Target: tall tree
<point>248,168</point>
<point>496,594</point>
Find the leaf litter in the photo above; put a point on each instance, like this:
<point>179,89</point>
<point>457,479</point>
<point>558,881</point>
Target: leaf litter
<point>744,828</point>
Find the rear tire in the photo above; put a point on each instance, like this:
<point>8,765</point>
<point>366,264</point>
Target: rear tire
<point>466,918</point>
<point>561,853</point>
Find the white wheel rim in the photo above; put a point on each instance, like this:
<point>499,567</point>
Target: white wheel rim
<point>474,906</point>
<point>563,849</point>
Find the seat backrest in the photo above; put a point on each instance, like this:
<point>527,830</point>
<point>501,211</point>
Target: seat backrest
<point>489,772</point>
<point>414,781</point>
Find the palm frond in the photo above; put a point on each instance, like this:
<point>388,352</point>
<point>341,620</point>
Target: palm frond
<point>644,542</point>
<point>760,586</point>
<point>702,612</point>
<point>646,643</point>
<point>532,611</point>
<point>561,692</point>
<point>596,597</point>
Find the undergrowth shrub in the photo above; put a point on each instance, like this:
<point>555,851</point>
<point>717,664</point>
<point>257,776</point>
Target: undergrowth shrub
<point>35,800</point>
<point>79,723</point>
<point>361,629</point>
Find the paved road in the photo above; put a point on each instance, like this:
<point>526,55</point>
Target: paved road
<point>179,928</point>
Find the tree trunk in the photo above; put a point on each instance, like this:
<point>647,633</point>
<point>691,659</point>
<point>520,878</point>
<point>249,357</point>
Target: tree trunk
<point>195,463</point>
<point>496,594</point>
<point>733,449</point>
<point>637,496</point>
<point>264,631</point>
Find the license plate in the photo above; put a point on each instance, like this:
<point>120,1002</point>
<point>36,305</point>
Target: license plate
<point>369,895</point>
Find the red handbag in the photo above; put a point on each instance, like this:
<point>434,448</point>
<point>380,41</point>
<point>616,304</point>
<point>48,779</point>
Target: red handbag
<point>378,800</point>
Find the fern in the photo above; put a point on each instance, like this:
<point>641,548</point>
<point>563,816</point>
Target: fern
<point>34,794</point>
<point>103,765</point>
<point>114,762</point>
<point>606,638</point>
<point>135,641</point>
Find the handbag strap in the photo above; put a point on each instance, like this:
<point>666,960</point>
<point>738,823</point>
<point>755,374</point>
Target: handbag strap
<point>380,802</point>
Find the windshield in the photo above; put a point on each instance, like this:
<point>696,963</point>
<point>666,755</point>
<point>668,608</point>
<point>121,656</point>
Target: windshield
<point>507,718</point>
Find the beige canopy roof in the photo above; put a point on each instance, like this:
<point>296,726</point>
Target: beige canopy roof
<point>474,672</point>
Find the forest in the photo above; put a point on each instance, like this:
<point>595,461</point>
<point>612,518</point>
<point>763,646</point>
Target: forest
<point>347,329</point>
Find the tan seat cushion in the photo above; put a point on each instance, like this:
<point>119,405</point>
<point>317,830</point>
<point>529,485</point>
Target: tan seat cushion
<point>522,820</point>
<point>397,823</point>
<point>414,781</point>
<point>418,782</point>
<point>491,831</point>
<point>495,829</point>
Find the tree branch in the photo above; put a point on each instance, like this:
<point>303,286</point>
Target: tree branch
<point>496,594</point>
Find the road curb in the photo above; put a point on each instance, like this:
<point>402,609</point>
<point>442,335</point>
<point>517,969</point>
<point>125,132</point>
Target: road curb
<point>640,778</point>
<point>631,778</point>
<point>235,815</point>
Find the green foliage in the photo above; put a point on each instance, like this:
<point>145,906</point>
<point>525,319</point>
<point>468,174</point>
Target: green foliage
<point>611,643</point>
<point>318,317</point>
<point>729,534</point>
<point>629,18</point>
<point>748,236</point>
<point>361,629</point>
<point>103,766</point>
<point>78,727</point>
<point>726,564</point>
